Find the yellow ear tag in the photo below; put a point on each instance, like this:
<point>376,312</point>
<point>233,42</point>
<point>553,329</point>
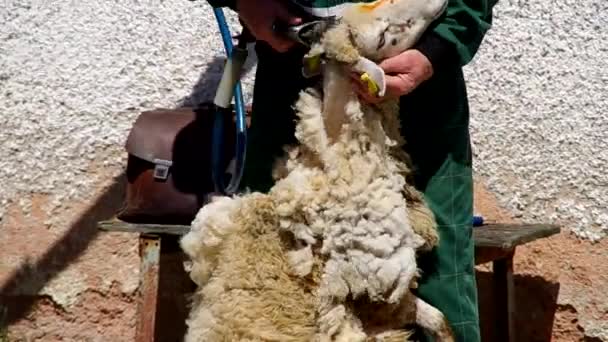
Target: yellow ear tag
<point>372,87</point>
<point>372,75</point>
<point>312,65</point>
<point>368,7</point>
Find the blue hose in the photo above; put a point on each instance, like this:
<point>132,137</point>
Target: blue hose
<point>220,116</point>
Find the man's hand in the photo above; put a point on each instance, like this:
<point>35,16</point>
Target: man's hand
<point>404,73</point>
<point>260,15</point>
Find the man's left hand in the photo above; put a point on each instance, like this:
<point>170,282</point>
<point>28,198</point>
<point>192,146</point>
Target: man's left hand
<point>404,73</point>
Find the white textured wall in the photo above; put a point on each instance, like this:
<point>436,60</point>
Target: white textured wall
<point>539,103</point>
<point>73,75</point>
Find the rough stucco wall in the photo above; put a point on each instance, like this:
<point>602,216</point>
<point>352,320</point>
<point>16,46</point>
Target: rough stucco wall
<point>538,96</point>
<point>74,75</point>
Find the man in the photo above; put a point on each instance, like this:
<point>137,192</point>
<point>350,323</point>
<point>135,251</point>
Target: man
<point>435,118</point>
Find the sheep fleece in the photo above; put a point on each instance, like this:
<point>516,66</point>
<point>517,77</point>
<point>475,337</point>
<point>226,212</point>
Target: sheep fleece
<point>336,237</point>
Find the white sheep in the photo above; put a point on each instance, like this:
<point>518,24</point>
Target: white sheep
<point>329,253</point>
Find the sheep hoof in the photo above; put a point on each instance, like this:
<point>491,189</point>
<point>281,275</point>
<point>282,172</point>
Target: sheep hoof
<point>433,320</point>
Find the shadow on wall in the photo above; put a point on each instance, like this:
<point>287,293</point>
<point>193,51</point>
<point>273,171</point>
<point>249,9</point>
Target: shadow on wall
<point>60,255</point>
<point>77,238</point>
<point>535,305</point>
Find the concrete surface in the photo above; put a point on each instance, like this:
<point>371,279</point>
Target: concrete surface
<point>74,75</point>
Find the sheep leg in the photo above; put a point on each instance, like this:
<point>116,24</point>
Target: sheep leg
<point>349,332</point>
<point>407,257</point>
<point>335,324</point>
<point>431,319</point>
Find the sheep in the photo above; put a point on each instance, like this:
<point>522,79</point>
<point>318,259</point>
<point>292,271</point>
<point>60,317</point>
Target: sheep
<point>329,253</point>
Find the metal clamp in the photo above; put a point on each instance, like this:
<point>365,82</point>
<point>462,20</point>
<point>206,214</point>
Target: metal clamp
<point>161,168</point>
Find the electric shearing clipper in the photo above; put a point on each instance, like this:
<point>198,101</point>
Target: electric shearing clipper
<point>306,33</point>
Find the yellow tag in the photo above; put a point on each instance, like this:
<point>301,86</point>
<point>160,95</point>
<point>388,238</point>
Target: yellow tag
<point>372,87</point>
<point>313,63</point>
<point>368,7</point>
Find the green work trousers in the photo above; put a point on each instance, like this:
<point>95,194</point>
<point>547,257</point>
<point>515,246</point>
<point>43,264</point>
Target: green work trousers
<point>435,124</point>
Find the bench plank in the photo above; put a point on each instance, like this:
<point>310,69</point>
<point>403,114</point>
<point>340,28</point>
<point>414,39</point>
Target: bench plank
<point>508,236</point>
<point>503,236</point>
<point>493,243</point>
<point>143,228</point>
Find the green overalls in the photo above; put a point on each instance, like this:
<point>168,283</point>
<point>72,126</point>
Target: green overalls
<point>435,121</point>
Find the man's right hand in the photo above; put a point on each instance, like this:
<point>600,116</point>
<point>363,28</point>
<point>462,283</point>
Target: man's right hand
<point>260,15</point>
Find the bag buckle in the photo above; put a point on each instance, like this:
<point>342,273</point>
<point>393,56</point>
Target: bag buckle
<point>161,168</point>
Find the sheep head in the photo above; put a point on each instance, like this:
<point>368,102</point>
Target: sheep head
<point>367,33</point>
<point>385,28</point>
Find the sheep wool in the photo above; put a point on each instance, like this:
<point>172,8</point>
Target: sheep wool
<point>329,253</point>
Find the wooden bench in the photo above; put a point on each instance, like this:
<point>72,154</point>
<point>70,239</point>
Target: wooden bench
<point>494,243</point>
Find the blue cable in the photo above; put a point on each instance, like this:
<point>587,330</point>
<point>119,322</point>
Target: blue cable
<point>241,130</point>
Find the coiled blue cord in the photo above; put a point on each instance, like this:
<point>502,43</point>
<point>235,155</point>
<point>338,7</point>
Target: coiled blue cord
<point>241,130</point>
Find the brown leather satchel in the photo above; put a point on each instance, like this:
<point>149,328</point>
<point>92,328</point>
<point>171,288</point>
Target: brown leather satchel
<point>169,164</point>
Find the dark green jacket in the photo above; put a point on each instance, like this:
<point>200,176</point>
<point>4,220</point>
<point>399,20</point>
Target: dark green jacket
<point>459,31</point>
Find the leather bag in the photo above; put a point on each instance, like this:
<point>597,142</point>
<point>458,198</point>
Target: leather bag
<point>169,164</point>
